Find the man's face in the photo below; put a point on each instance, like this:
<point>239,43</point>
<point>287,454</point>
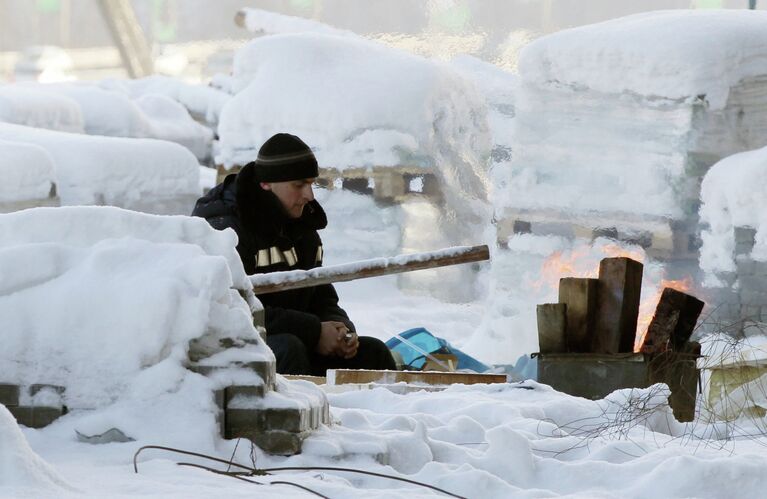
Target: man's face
<point>293,194</point>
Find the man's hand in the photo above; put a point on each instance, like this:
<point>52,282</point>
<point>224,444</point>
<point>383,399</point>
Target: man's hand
<point>334,341</point>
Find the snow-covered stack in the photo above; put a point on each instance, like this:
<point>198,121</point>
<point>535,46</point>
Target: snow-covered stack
<point>734,250</point>
<point>617,122</point>
<point>113,306</point>
<point>141,174</point>
<point>358,104</point>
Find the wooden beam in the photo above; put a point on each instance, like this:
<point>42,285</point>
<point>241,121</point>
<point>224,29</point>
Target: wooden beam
<point>552,324</point>
<point>295,279</point>
<point>673,323</point>
<point>620,285</point>
<point>347,376</point>
<point>580,296</point>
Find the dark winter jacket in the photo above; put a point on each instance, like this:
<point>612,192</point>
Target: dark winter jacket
<point>271,241</point>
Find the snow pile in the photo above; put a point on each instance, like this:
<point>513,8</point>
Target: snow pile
<point>93,296</point>
<point>674,54</point>
<point>365,105</point>
<point>109,108</point>
<point>130,173</point>
<point>27,172</point>
<point>263,22</point>
<point>733,194</point>
<point>26,105</point>
<point>202,102</point>
<point>22,472</point>
<point>627,115</point>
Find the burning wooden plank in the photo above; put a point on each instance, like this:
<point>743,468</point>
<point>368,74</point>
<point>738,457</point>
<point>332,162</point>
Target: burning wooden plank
<point>620,285</point>
<point>673,323</point>
<point>580,296</point>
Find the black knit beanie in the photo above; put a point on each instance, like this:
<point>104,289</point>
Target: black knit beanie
<point>285,157</point>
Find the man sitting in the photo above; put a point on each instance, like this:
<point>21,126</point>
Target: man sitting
<point>271,207</point>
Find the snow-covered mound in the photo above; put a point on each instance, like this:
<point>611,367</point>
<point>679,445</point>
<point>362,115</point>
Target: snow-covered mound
<point>130,173</point>
<point>625,117</point>
<point>733,194</point>
<point>365,104</point>
<point>21,470</point>
<point>203,102</point>
<point>27,172</point>
<point>673,54</point>
<point>26,105</point>
<point>91,296</point>
<point>109,108</point>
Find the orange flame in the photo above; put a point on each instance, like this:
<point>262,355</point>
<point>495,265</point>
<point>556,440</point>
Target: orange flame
<point>576,263</point>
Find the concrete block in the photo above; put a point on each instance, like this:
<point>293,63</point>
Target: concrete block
<point>745,235</point>
<point>266,369</point>
<point>36,417</point>
<point>9,394</point>
<point>749,297</point>
<point>35,389</point>
<point>244,421</point>
<point>280,442</point>
<point>521,227</point>
<point>256,391</point>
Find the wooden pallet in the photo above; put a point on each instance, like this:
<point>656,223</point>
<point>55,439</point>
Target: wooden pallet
<point>660,237</point>
<point>386,184</point>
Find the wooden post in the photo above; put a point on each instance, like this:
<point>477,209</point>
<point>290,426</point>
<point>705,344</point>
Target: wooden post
<point>673,323</point>
<point>552,324</point>
<point>620,284</point>
<point>580,296</point>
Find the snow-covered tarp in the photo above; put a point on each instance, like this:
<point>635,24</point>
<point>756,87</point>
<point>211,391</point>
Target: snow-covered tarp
<point>131,173</point>
<point>675,54</point>
<point>92,296</point>
<point>26,170</point>
<point>733,194</point>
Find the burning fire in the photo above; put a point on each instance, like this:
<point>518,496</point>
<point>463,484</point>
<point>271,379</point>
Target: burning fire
<point>581,262</point>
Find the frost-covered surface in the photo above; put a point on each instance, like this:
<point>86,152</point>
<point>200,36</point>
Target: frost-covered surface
<point>675,54</point>
<point>733,194</point>
<point>26,170</point>
<point>26,105</point>
<point>91,297</point>
<point>115,171</point>
<point>22,471</point>
<point>367,105</point>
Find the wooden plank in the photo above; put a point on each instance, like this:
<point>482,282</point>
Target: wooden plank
<point>317,380</point>
<point>295,279</point>
<point>620,285</point>
<point>348,376</point>
<point>552,324</point>
<point>580,296</point>
<point>673,323</point>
